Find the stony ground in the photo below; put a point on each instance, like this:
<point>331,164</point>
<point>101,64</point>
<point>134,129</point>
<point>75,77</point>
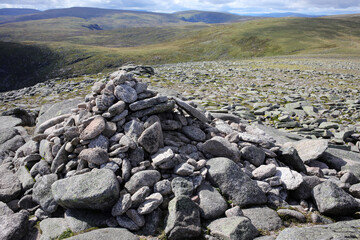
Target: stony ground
<point>108,142</point>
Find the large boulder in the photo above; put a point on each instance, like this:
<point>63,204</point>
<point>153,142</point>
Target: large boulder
<point>234,183</point>
<point>14,226</point>
<point>183,221</point>
<point>333,200</point>
<point>105,234</point>
<point>309,149</point>
<point>52,228</point>
<point>152,138</point>
<point>233,228</point>
<point>98,189</point>
<point>339,230</point>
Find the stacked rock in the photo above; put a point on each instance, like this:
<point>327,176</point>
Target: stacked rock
<point>127,154</point>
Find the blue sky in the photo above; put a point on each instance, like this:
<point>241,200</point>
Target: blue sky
<point>322,7</point>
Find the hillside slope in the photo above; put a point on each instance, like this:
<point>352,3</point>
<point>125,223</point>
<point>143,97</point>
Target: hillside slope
<point>89,51</point>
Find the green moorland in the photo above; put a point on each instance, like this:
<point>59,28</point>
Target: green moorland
<point>66,47</point>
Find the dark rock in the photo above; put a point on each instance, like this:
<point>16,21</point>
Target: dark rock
<point>233,182</point>
<point>152,138</point>
<point>254,155</point>
<point>220,147</point>
<point>194,133</point>
<point>80,220</point>
<point>333,200</point>
<point>290,157</point>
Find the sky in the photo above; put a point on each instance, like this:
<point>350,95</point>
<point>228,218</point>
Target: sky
<point>318,7</point>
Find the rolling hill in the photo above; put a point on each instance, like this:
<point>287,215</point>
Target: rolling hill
<point>63,46</point>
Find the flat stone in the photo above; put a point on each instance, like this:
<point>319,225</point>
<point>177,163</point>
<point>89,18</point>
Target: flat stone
<point>263,218</point>
<point>310,149</point>
<point>212,204</point>
<point>106,233</point>
<point>147,103</point>
<point>333,200</point>
<point>339,230</point>
<point>141,179</point>
<point>191,110</point>
<point>233,182</point>
<point>159,108</point>
<point>7,134</point>
<point>264,171</point>
<point>233,228</point>
<point>97,156</point>
<point>234,212</point>
<point>98,189</point>
<point>117,108</point>
<point>94,129</point>
<point>220,147</point>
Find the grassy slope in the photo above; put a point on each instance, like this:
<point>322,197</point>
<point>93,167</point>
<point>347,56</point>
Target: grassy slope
<point>83,51</point>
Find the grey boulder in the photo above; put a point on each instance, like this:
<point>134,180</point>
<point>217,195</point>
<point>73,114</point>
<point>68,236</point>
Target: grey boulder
<point>220,147</point>
<point>212,204</point>
<point>98,189</point>
<point>14,226</point>
<point>105,234</point>
<point>42,193</point>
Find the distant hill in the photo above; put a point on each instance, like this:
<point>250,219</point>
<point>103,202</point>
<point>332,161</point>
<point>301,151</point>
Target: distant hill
<point>17,11</point>
<point>112,18</point>
<point>210,17</point>
<point>286,14</point>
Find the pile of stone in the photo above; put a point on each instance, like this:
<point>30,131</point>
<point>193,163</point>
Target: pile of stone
<point>127,158</point>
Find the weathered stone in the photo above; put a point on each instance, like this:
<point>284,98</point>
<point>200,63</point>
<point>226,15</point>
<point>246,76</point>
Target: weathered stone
<point>117,108</point>
<point>139,196</point>
<point>163,187</point>
<point>141,179</point>
<point>233,228</point>
<point>94,129</point>
<point>133,129</point>
<point>234,212</point>
<point>125,93</point>
<point>137,218</point>
<point>332,200</point>
<point>309,149</point>
<point>42,193</point>
<point>290,157</point>
<point>263,218</point>
<point>184,169</point>
<point>211,203</point>
<point>60,158</point>
<point>52,228</point>
<point>339,230</point>
<point>106,233</point>
<point>14,226</point>
<point>150,204</point>
<point>147,103</point>
<point>152,138</point>
<point>264,171</point>
<point>10,185</point>
<point>122,205</point>
<point>184,219</point>
<point>81,219</point>
<point>100,142</point>
<point>191,110</point>
<point>291,179</point>
<point>233,182</point>
<point>98,189</point>
<point>164,155</point>
<point>4,209</point>
<point>254,155</point>
<point>97,156</point>
<point>159,108</point>
<point>220,147</point>
<point>49,123</point>
<point>288,213</point>
<point>194,133</point>
<point>182,187</point>
<point>126,222</point>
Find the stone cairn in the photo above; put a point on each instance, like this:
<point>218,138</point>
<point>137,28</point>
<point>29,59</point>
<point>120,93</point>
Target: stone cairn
<point>127,158</point>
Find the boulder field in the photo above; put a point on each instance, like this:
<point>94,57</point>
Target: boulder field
<point>129,163</point>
